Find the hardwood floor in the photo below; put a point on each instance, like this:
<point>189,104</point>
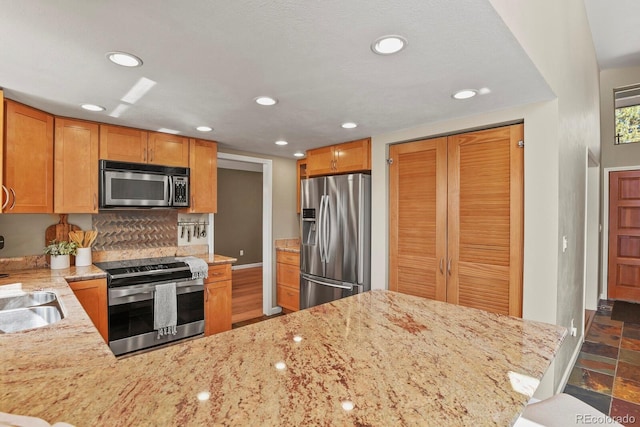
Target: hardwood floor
<point>246,294</point>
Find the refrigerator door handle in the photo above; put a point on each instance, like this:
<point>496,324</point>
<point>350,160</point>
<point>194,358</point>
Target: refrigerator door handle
<point>361,236</point>
<point>319,282</point>
<point>321,229</point>
<point>325,228</point>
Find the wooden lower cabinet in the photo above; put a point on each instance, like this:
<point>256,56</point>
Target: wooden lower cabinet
<point>217,300</point>
<point>288,280</point>
<point>92,294</point>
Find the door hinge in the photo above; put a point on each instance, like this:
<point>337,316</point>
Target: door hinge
<point>390,161</point>
<point>521,144</point>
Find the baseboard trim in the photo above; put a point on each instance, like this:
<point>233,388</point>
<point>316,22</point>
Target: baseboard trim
<point>274,310</point>
<point>569,368</point>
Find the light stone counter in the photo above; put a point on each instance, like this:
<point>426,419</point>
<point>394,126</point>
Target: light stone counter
<point>399,360</point>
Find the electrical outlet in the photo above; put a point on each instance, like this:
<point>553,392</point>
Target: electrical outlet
<point>241,252</point>
<point>565,244</point>
<point>573,331</point>
<point>1,242</point>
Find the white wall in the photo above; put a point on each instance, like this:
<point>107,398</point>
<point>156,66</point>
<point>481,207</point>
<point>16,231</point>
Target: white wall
<point>623,154</point>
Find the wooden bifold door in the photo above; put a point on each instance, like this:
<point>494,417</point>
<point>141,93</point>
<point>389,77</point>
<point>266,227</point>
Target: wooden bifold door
<point>456,219</point>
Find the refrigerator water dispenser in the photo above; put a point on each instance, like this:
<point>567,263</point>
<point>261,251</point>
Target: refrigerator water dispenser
<point>309,227</point>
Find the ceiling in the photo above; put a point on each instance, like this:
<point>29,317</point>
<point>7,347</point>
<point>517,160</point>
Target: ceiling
<point>210,60</point>
<point>615,31</point>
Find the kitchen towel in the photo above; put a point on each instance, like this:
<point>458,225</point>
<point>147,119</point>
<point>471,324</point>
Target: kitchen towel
<point>199,267</point>
<point>165,310</point>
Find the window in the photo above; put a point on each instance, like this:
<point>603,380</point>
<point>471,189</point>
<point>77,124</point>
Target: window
<point>627,113</point>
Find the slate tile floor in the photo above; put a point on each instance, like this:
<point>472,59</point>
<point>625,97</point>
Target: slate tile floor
<point>607,372</point>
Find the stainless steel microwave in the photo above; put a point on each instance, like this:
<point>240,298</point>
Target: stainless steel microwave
<point>131,185</point>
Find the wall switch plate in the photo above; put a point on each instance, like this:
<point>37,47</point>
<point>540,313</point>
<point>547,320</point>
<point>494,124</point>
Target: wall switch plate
<point>573,331</point>
<point>1,242</point>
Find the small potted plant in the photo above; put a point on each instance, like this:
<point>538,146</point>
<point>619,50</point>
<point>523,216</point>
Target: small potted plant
<point>59,252</point>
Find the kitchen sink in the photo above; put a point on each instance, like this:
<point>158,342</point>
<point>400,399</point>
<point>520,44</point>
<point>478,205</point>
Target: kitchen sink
<point>30,299</point>
<point>21,319</point>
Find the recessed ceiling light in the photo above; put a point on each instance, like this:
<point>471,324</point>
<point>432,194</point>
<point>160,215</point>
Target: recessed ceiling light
<point>204,128</point>
<point>349,125</point>
<point>465,94</point>
<point>298,154</point>
<point>387,45</point>
<point>266,100</point>
<point>92,107</point>
<point>281,142</point>
<point>125,59</point>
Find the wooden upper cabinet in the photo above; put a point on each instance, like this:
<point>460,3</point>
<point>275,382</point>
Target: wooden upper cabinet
<point>123,144</point>
<point>320,161</point>
<point>354,156</point>
<point>76,166</point>
<point>28,162</point>
<point>167,149</point>
<point>138,146</point>
<point>203,162</point>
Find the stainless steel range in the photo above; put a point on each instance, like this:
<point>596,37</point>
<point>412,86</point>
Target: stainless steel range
<point>131,290</point>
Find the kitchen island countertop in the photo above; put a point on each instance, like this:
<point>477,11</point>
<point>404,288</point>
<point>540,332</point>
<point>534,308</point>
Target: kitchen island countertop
<point>378,358</point>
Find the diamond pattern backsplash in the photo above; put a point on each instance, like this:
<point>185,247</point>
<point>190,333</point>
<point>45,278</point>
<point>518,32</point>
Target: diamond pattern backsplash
<point>120,230</point>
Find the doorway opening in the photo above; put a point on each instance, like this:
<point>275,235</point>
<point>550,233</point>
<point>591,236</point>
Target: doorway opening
<point>253,272</point>
<point>620,244</point>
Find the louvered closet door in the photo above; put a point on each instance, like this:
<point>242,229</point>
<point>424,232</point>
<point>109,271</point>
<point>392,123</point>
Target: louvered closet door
<point>485,219</point>
<point>418,213</point>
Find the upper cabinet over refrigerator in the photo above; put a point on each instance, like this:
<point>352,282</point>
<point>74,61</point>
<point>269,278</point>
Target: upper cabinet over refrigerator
<point>336,234</point>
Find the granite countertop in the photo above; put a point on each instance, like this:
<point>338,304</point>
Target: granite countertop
<point>378,358</point>
<point>288,245</point>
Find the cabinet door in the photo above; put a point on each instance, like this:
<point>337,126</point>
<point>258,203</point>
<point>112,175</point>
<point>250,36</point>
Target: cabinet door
<point>92,294</point>
<point>320,161</point>
<point>217,307</point>
<point>288,298</point>
<point>301,174</point>
<point>123,144</point>
<point>203,161</point>
<point>353,156</point>
<point>168,150</point>
<point>76,166</point>
<point>3,196</point>
<point>418,218</point>
<point>28,165</point>
<point>485,219</point>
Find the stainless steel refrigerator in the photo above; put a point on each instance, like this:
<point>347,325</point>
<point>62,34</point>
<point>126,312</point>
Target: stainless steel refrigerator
<point>335,253</point>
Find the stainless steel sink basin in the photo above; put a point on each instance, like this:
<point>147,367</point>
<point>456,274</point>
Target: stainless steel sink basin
<point>21,319</point>
<point>27,300</point>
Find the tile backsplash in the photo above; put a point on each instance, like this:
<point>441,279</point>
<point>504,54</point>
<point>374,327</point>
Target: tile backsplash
<point>122,230</point>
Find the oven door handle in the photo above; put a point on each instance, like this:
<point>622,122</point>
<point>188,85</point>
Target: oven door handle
<point>149,289</point>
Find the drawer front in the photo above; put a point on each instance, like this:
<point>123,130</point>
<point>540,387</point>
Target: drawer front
<point>219,272</point>
<point>288,298</point>
<point>288,258</point>
<point>288,275</point>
